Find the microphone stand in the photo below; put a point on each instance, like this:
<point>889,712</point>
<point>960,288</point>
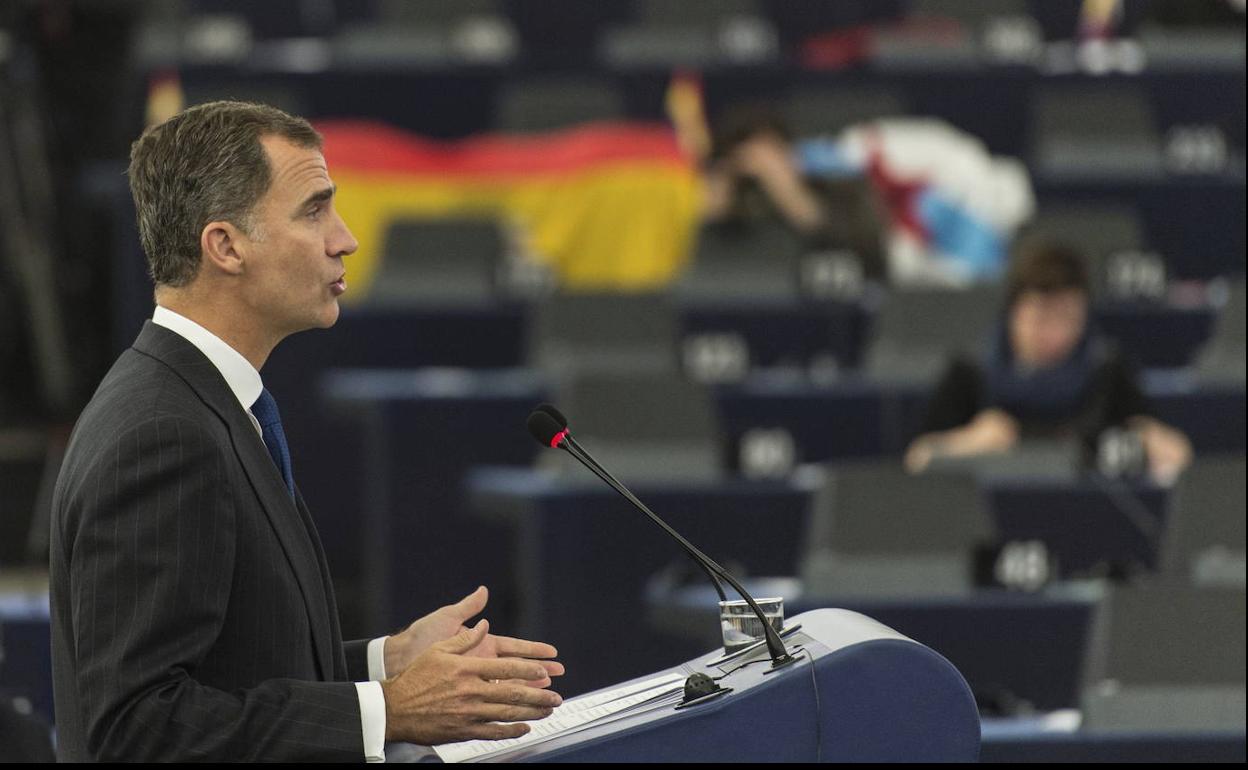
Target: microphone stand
<point>775,645</point>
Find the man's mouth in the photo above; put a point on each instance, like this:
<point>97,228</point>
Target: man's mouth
<point>340,285</point>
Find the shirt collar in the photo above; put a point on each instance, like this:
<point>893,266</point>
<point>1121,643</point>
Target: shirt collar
<point>242,378</point>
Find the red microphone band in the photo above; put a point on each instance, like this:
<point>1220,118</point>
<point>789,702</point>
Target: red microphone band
<point>558,439</point>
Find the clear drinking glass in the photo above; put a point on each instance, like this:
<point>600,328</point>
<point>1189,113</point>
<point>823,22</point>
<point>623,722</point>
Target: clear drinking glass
<point>740,625</point>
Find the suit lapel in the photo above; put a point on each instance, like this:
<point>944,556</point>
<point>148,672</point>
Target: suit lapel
<point>267,481</point>
<point>330,604</point>
<point>293,530</point>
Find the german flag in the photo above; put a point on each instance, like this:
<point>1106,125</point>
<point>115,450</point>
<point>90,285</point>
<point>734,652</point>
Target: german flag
<point>608,206</point>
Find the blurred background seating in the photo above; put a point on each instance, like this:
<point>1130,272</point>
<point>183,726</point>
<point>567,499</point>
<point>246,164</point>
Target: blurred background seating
<point>879,531</point>
<point>533,186</point>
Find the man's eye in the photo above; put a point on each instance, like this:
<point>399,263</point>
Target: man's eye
<point>315,213</point>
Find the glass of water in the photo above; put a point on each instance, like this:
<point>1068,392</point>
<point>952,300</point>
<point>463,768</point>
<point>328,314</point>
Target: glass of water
<point>740,625</point>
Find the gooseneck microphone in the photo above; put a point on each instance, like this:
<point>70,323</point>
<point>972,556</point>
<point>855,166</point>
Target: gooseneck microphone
<point>549,427</point>
<point>547,432</point>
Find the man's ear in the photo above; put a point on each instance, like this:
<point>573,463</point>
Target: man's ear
<point>223,246</point>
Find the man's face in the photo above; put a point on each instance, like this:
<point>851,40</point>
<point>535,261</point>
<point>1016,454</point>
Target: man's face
<point>294,267</point>
<point>1046,326</point>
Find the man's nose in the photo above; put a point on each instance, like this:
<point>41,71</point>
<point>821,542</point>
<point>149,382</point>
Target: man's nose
<point>344,243</point>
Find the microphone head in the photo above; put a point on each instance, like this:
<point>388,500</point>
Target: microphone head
<point>553,412</point>
<point>545,429</point>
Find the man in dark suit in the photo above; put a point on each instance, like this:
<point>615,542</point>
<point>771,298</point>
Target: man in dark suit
<point>193,617</point>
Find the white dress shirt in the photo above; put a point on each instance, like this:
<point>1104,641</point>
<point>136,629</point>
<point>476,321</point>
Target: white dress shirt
<point>245,384</point>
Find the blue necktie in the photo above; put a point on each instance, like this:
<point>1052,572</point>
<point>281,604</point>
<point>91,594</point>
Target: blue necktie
<point>265,410</point>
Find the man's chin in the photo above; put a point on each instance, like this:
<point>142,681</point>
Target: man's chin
<point>330,317</point>
<point>322,320</point>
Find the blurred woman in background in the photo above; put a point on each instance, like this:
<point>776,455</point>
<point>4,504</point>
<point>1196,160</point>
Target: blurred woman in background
<point>1047,375</point>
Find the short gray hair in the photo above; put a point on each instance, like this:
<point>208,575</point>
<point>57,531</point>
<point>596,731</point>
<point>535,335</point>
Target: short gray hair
<point>205,164</point>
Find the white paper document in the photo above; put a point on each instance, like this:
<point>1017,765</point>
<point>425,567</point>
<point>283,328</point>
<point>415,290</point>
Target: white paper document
<point>573,715</point>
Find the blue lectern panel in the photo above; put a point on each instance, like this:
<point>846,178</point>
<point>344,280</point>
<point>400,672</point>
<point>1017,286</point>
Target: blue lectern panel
<point>860,692</point>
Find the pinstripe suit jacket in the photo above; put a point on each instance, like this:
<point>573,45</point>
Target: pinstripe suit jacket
<point>193,616</point>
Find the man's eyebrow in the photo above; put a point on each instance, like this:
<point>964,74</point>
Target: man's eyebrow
<point>318,196</point>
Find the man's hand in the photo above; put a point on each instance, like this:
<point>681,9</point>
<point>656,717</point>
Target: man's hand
<point>448,695</point>
<point>441,624</point>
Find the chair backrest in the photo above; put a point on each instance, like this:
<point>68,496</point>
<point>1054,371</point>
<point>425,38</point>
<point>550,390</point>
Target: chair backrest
<point>287,97</point>
<point>1166,655</point>
<point>1204,538</point>
<point>544,104</point>
<point>758,262</point>
<point>429,33</point>
<point>655,46</point>
<point>435,12</point>
<point>831,575</point>
<point>692,12</point>
<point>1222,359</point>
<point>823,111</point>
<point>877,530</point>
<point>1171,48</point>
<point>1094,131</point>
<point>639,407</point>
<point>971,13</point>
<point>694,33</point>
<point>365,45</point>
<point>1168,633</point>
<point>916,330</point>
<point>879,508</point>
<point>643,425</point>
<point>591,332</point>
<point>438,261</point>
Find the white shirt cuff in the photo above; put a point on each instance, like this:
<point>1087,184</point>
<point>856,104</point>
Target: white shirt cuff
<point>372,720</point>
<point>377,659</point>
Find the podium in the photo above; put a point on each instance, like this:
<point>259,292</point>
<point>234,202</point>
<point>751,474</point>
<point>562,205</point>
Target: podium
<point>860,692</point>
